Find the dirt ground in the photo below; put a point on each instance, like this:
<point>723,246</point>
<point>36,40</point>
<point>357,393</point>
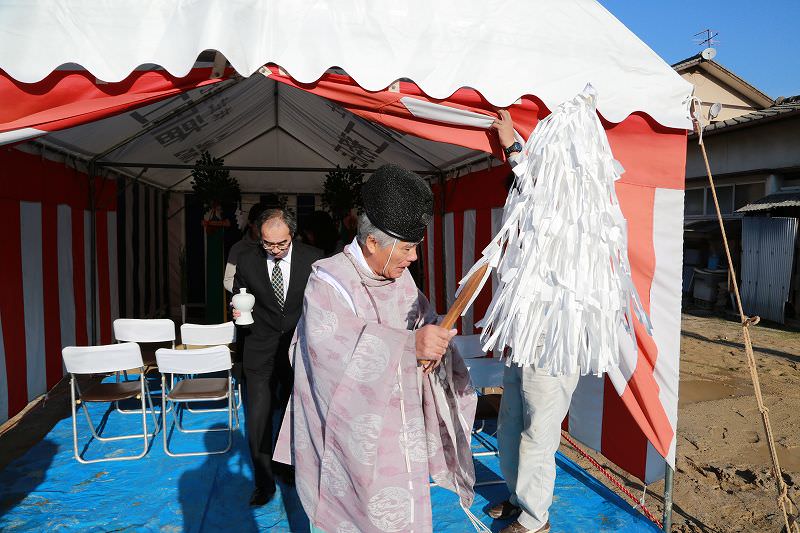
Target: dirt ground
<point>723,480</point>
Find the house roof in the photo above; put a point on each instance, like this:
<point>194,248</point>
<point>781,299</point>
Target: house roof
<point>773,201</point>
<point>726,76</point>
<point>782,108</point>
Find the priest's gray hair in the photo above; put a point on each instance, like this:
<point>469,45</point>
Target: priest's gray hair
<point>367,228</point>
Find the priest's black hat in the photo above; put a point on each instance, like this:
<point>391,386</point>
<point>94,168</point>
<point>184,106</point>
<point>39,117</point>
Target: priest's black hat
<point>398,202</point>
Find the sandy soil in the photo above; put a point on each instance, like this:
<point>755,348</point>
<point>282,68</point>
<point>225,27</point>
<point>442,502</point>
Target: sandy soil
<point>723,480</point>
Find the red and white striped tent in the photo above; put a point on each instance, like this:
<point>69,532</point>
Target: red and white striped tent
<point>96,135</point>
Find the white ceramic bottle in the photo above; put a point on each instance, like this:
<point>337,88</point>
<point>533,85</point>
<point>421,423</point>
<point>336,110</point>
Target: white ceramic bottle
<point>244,303</point>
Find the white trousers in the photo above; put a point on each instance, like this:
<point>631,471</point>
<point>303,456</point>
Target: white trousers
<point>528,433</point>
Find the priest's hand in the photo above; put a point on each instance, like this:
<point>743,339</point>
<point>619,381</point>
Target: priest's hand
<point>431,344</point>
<point>504,125</point>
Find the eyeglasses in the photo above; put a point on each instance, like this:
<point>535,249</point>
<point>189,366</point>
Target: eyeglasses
<point>279,246</point>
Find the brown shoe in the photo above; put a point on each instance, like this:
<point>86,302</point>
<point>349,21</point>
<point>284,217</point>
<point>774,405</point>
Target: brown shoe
<point>516,527</point>
<point>503,510</point>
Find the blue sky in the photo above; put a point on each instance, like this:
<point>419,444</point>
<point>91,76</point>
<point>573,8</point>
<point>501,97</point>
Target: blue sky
<point>759,40</point>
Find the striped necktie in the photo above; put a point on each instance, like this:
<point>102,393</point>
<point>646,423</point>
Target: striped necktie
<point>277,282</point>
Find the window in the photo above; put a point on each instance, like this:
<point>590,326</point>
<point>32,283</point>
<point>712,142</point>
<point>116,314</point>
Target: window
<point>693,201</point>
<point>698,202</point>
<point>725,198</point>
<point>747,193</point>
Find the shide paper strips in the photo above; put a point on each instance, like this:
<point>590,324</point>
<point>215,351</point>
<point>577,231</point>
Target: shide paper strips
<point>561,255</point>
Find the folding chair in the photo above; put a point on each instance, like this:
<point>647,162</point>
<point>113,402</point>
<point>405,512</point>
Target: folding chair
<point>194,362</point>
<point>200,335</point>
<point>152,330</point>
<point>100,360</point>
<point>485,372</point>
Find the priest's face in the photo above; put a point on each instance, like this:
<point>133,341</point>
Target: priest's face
<point>276,237</point>
<point>390,261</point>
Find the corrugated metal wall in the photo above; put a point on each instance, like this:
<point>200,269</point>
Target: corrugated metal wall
<point>767,258</point>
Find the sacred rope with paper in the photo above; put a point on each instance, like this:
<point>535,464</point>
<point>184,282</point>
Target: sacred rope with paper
<point>562,253</point>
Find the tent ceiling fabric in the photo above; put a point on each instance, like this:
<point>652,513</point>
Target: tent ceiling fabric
<point>253,122</point>
<point>549,48</point>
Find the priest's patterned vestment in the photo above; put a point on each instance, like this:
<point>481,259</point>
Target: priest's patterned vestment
<point>366,428</point>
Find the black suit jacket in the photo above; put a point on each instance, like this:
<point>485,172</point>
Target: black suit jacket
<point>272,329</point>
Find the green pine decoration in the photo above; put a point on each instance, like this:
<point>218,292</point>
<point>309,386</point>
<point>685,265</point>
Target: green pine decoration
<point>342,191</point>
<point>213,184</point>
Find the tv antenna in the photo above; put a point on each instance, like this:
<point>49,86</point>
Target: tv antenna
<point>709,40</point>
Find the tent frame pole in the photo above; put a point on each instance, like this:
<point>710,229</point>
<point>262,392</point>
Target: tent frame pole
<point>92,255</point>
<point>666,519</point>
<point>246,168</point>
<point>92,166</point>
<point>442,296</point>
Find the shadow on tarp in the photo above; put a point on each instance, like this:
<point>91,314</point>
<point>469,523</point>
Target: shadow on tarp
<point>221,480</point>
<point>19,481</point>
<point>46,489</point>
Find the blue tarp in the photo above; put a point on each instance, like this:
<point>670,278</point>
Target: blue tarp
<point>47,490</point>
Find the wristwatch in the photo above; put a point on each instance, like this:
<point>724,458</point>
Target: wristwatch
<point>516,147</point>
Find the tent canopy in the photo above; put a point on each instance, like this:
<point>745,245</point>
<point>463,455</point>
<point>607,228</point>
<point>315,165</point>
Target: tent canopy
<point>252,122</point>
<point>503,49</point>
<point>473,55</point>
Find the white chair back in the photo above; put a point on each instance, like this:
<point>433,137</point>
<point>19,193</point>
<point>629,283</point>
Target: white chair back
<point>208,335</point>
<point>468,346</point>
<point>101,359</point>
<point>200,361</point>
<point>144,330</point>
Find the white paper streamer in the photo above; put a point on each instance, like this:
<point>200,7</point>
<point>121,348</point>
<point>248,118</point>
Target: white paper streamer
<point>565,293</point>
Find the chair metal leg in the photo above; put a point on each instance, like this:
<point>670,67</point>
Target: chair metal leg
<point>490,482</point>
<point>183,408</point>
<point>144,435</point>
<point>229,429</point>
<point>133,411</point>
<point>97,436</point>
<point>491,448</point>
<point>237,392</point>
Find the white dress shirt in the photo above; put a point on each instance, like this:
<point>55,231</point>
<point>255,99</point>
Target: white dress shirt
<point>285,264</point>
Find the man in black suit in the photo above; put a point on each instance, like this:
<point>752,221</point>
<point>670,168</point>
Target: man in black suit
<point>276,273</point>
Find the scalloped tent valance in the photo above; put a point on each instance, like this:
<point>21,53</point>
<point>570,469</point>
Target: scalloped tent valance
<point>548,48</point>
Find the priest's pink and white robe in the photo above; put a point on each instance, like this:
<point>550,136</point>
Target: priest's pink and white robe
<point>365,428</point>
